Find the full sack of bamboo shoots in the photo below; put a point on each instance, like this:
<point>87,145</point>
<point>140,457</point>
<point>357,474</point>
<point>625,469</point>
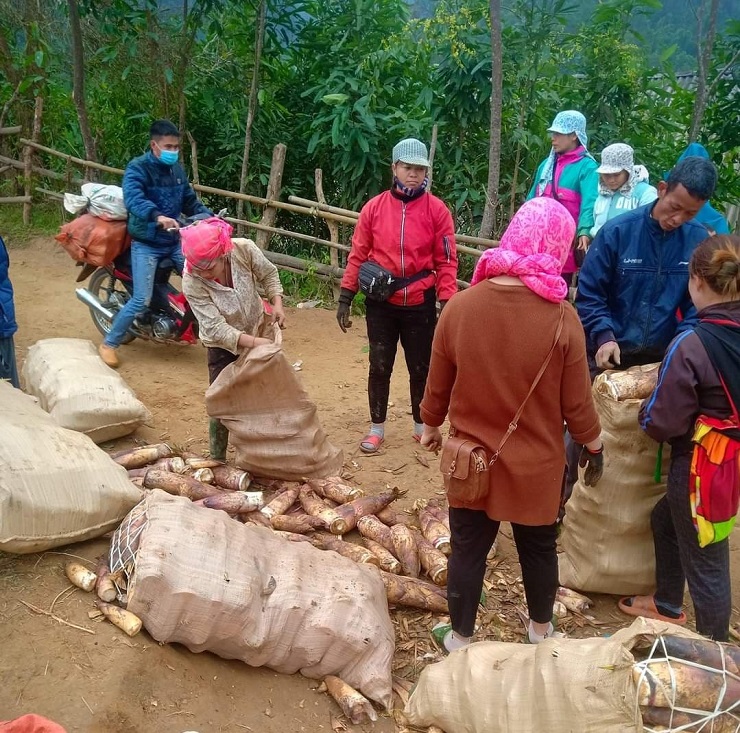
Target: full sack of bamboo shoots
<point>79,391</point>
<point>56,485</point>
<point>273,425</point>
<point>240,591</point>
<point>585,685</point>
<point>614,516</point>
<point>94,241</point>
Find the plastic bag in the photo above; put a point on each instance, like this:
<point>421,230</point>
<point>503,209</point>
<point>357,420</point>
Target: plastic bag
<point>98,199</point>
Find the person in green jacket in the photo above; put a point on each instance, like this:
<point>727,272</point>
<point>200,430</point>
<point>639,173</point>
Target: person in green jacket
<point>569,176</point>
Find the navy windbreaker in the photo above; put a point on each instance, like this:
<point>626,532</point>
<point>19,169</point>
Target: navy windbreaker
<point>634,282</point>
<point>8,325</point>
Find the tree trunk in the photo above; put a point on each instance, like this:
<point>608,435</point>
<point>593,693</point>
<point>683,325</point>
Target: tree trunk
<point>432,151</point>
<point>494,141</point>
<point>78,92</point>
<point>704,57</point>
<point>274,186</point>
<point>259,35</point>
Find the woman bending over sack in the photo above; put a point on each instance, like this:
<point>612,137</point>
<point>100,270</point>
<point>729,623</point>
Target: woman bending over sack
<point>220,281</point>
<point>509,366</point>
<point>694,407</point>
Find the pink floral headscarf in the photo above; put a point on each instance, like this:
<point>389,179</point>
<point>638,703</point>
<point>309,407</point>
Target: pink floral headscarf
<point>534,248</point>
<point>204,241</point>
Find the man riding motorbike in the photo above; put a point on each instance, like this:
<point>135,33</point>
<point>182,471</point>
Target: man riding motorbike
<point>156,192</point>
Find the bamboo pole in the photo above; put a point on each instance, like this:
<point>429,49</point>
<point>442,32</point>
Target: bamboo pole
<point>28,159</point>
<point>274,186</point>
<point>25,200</point>
<point>287,233</point>
<point>71,158</point>
<point>323,207</point>
<point>10,130</point>
<point>50,194</point>
<point>193,157</point>
<point>45,172</point>
<point>318,175</point>
<point>432,151</point>
<point>5,169</point>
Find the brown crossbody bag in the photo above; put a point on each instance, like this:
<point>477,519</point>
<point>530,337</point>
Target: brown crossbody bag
<point>465,463</point>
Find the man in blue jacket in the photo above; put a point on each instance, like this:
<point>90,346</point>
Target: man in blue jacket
<point>156,192</point>
<point>8,326</point>
<point>634,280</point>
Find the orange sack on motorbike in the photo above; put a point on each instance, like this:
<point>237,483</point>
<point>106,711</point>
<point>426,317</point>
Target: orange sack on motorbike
<point>93,240</point>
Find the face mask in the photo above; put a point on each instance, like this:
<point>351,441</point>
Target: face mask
<point>168,157</point>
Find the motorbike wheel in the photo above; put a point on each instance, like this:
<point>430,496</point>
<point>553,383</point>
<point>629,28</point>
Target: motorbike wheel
<point>103,285</point>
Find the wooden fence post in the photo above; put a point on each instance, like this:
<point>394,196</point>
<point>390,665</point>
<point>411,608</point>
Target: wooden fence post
<point>193,158</point>
<point>28,159</point>
<point>432,150</point>
<point>332,225</point>
<point>274,186</point>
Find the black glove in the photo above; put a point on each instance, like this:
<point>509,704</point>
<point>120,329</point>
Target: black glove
<point>593,462</point>
<point>345,303</point>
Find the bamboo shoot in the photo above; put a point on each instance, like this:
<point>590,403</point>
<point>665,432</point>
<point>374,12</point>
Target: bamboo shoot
<point>104,585</point>
<point>233,479</point>
<point>435,531</point>
<point>433,562</point>
<point>325,541</point>
<point>358,508</point>
<point>385,557</point>
<point>404,548</point>
<point>234,502</point>
<point>282,502</point>
<point>335,489</point>
<point>372,528</point>
<point>128,622</point>
<point>80,576</point>
<point>297,523</point>
<point>174,483</point>
<point>414,593</point>
<point>175,464</point>
<point>138,457</point>
<point>354,705</point>
<point>314,506</point>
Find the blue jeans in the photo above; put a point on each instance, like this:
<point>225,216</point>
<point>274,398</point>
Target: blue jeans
<point>144,262</point>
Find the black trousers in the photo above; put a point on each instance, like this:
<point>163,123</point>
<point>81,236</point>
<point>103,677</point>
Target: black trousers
<point>473,534</point>
<point>678,558</point>
<point>414,326</point>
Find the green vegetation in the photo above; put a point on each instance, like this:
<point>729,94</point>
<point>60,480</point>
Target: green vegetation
<point>342,80</point>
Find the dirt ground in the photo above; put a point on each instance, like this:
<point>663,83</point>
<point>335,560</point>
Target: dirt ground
<point>106,683</point>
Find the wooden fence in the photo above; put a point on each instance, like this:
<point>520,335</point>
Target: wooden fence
<point>265,228</point>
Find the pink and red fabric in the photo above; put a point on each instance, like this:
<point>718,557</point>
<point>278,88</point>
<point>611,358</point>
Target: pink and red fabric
<point>534,248</point>
<point>205,241</point>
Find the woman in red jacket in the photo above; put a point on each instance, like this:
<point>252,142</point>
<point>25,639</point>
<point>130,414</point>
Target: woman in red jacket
<point>404,236</point>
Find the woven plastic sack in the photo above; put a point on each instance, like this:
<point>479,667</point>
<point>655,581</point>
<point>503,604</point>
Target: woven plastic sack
<point>56,485</point>
<point>558,686</point>
<point>213,584</point>
<point>93,240</point>
<point>607,542</point>
<point>79,391</point>
<point>272,423</point>
<point>98,199</point>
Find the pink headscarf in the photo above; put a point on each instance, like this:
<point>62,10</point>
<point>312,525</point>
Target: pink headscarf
<point>204,241</point>
<point>534,248</point>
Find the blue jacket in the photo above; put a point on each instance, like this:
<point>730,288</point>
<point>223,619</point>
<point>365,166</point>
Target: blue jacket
<point>8,326</point>
<point>633,283</point>
<point>152,189</point>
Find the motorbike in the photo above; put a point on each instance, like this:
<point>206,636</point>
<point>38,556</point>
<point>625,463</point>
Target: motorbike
<point>169,318</point>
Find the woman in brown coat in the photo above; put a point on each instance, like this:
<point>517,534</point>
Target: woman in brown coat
<point>490,344</point>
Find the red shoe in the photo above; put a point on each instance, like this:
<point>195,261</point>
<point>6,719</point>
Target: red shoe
<point>371,443</point>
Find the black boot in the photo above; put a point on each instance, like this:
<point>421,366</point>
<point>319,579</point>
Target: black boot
<point>218,438</point>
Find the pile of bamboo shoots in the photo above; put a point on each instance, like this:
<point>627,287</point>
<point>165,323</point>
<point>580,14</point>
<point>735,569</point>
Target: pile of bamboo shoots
<point>683,681</point>
<point>404,546</point>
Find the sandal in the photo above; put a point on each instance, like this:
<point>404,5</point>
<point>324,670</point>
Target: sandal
<point>645,606</point>
<point>416,437</point>
<point>371,443</point>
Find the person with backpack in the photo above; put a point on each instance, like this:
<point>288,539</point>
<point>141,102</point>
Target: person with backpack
<point>568,175</point>
<point>404,260</point>
<point>694,407</point>
<point>623,186</point>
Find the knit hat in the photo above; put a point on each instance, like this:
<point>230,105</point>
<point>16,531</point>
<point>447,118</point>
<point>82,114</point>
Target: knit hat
<point>568,122</point>
<point>411,151</point>
<point>617,158</point>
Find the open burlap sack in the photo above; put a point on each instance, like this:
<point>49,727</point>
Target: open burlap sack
<point>272,423</point>
<point>56,485</point>
<point>79,391</point>
<point>213,584</point>
<point>558,686</point>
<point>607,543</point>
